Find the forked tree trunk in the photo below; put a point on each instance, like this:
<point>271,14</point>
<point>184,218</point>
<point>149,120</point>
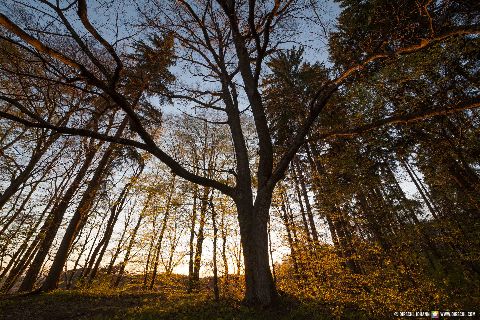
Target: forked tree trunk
<point>253,220</point>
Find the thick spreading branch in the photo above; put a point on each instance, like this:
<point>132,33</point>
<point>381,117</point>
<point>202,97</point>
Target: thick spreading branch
<point>425,43</point>
<point>404,119</point>
<point>12,27</point>
<point>83,14</point>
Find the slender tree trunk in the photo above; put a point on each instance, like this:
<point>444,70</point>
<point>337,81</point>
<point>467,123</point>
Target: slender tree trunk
<point>224,254</point>
<point>158,250</point>
<point>467,185</point>
<point>270,249</point>
<point>20,251</point>
<point>21,209</point>
<point>293,251</point>
<point>129,249</point>
<point>420,189</point>
<point>118,249</point>
<point>300,202</point>
<point>215,236</point>
<point>75,265</point>
<point>192,238</point>
<point>373,224</point>
<point>53,221</point>
<point>344,233</point>
<point>108,232</point>
<point>120,242</point>
<point>147,263</point>
<point>85,269</point>
<point>23,176</point>
<point>200,236</point>
<point>18,267</point>
<point>132,240</point>
<point>433,254</point>
<point>317,170</point>
<point>308,207</point>
<point>80,215</point>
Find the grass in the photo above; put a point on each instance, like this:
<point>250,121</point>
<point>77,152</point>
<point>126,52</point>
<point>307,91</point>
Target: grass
<point>178,305</point>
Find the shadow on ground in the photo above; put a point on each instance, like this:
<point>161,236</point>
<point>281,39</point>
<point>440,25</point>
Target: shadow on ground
<point>142,305</point>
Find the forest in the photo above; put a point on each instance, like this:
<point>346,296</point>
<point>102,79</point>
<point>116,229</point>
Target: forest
<point>239,159</point>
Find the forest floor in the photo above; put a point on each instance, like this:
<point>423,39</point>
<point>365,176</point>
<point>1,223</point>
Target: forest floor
<point>95,304</point>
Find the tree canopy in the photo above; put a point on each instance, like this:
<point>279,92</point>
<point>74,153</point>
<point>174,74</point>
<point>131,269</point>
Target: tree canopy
<point>322,147</point>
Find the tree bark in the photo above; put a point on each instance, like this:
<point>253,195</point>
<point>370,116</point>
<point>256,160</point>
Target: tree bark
<point>253,219</point>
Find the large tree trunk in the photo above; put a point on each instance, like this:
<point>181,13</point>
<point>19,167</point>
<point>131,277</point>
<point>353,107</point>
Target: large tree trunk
<point>253,220</point>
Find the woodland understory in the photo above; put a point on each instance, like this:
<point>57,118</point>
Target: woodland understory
<point>239,159</point>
